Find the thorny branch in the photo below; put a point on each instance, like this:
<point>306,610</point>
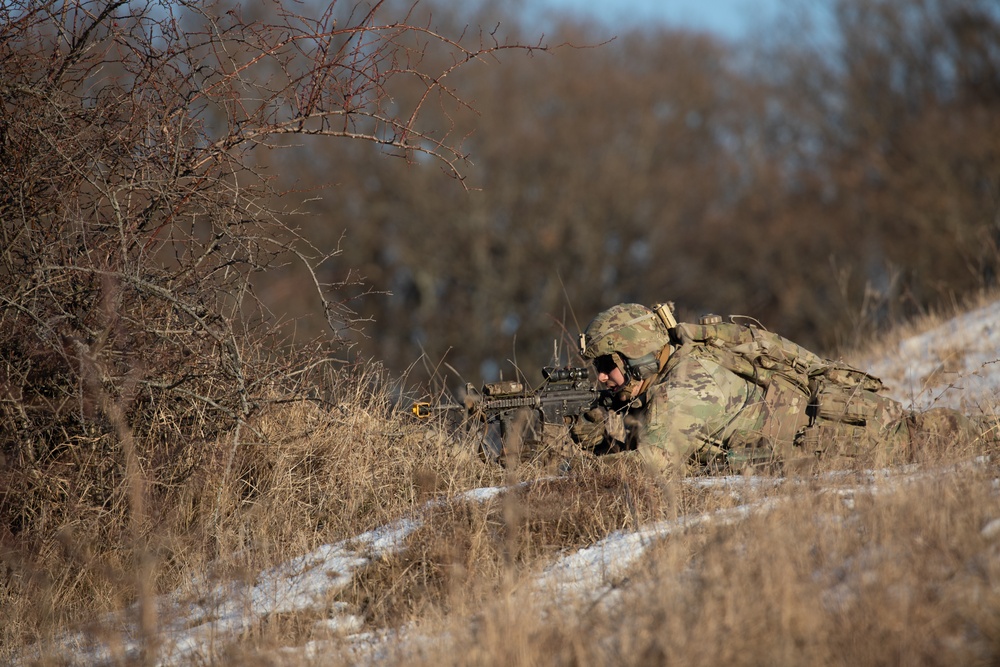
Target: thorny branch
<point>136,216</point>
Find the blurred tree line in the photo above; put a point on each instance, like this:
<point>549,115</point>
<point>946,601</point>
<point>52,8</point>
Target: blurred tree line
<point>828,181</point>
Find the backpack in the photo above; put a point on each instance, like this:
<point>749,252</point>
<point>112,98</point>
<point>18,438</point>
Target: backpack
<point>811,404</point>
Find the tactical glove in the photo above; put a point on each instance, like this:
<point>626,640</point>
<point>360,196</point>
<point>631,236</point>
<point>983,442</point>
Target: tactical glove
<point>596,426</point>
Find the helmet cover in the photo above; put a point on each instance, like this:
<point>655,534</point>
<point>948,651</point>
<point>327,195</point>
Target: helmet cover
<point>629,329</point>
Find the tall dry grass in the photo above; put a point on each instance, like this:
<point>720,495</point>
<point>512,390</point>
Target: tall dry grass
<point>902,568</point>
<point>309,473</point>
<point>906,573</point>
<point>842,567</point>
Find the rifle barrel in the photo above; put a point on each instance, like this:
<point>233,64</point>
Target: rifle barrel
<point>423,409</point>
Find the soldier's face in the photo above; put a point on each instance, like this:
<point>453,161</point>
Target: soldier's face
<point>608,373</point>
<point>612,380</point>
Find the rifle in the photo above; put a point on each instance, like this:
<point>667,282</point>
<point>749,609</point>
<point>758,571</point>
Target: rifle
<point>519,413</point>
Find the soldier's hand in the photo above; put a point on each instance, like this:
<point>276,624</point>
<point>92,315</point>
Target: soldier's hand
<point>597,425</point>
<point>588,429</point>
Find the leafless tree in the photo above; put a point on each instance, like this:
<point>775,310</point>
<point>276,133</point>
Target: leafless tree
<point>829,186</point>
<point>137,215</point>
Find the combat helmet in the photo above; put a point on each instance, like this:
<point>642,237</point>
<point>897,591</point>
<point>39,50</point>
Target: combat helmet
<point>630,330</point>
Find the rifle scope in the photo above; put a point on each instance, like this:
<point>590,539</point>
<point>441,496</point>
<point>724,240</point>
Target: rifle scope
<point>564,374</point>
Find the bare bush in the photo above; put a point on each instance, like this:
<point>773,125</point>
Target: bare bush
<point>135,220</point>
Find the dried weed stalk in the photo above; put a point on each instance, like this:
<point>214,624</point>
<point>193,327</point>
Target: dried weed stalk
<point>138,369</point>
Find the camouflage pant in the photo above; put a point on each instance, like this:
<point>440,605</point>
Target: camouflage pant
<point>903,439</point>
<point>898,437</point>
<point>886,435</point>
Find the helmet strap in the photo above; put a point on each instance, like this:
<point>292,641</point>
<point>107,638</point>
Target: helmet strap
<point>630,391</point>
<point>621,363</point>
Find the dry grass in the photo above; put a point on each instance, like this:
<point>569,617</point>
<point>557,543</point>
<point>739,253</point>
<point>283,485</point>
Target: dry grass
<point>886,343</point>
<point>832,569</point>
<point>310,475</point>
<point>905,571</point>
<point>470,548</point>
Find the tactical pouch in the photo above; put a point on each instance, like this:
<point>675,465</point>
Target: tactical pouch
<point>844,404</point>
<point>852,404</point>
<point>852,420</point>
<point>785,403</point>
<point>835,439</point>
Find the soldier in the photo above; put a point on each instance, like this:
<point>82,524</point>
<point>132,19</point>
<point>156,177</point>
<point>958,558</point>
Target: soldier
<point>731,394</point>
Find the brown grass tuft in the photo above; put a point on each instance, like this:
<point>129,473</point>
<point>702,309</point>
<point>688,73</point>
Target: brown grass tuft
<point>469,548</point>
<point>895,567</point>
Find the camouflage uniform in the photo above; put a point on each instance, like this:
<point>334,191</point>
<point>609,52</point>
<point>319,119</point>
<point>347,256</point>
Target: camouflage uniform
<point>734,395</point>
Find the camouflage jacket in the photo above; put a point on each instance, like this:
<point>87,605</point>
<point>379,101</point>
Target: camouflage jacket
<point>697,408</point>
<point>737,394</point>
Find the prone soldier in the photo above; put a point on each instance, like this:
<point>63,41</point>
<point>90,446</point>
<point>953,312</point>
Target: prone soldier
<point>731,394</point>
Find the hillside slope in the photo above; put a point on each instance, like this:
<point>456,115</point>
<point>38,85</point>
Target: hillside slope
<point>953,364</point>
<point>780,556</point>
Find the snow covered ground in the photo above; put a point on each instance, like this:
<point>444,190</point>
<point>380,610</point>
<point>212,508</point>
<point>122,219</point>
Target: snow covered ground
<point>955,364</point>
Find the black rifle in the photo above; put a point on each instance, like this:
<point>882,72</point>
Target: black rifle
<point>513,415</point>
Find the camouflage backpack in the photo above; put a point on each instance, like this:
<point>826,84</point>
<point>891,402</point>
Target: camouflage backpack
<point>811,404</point>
